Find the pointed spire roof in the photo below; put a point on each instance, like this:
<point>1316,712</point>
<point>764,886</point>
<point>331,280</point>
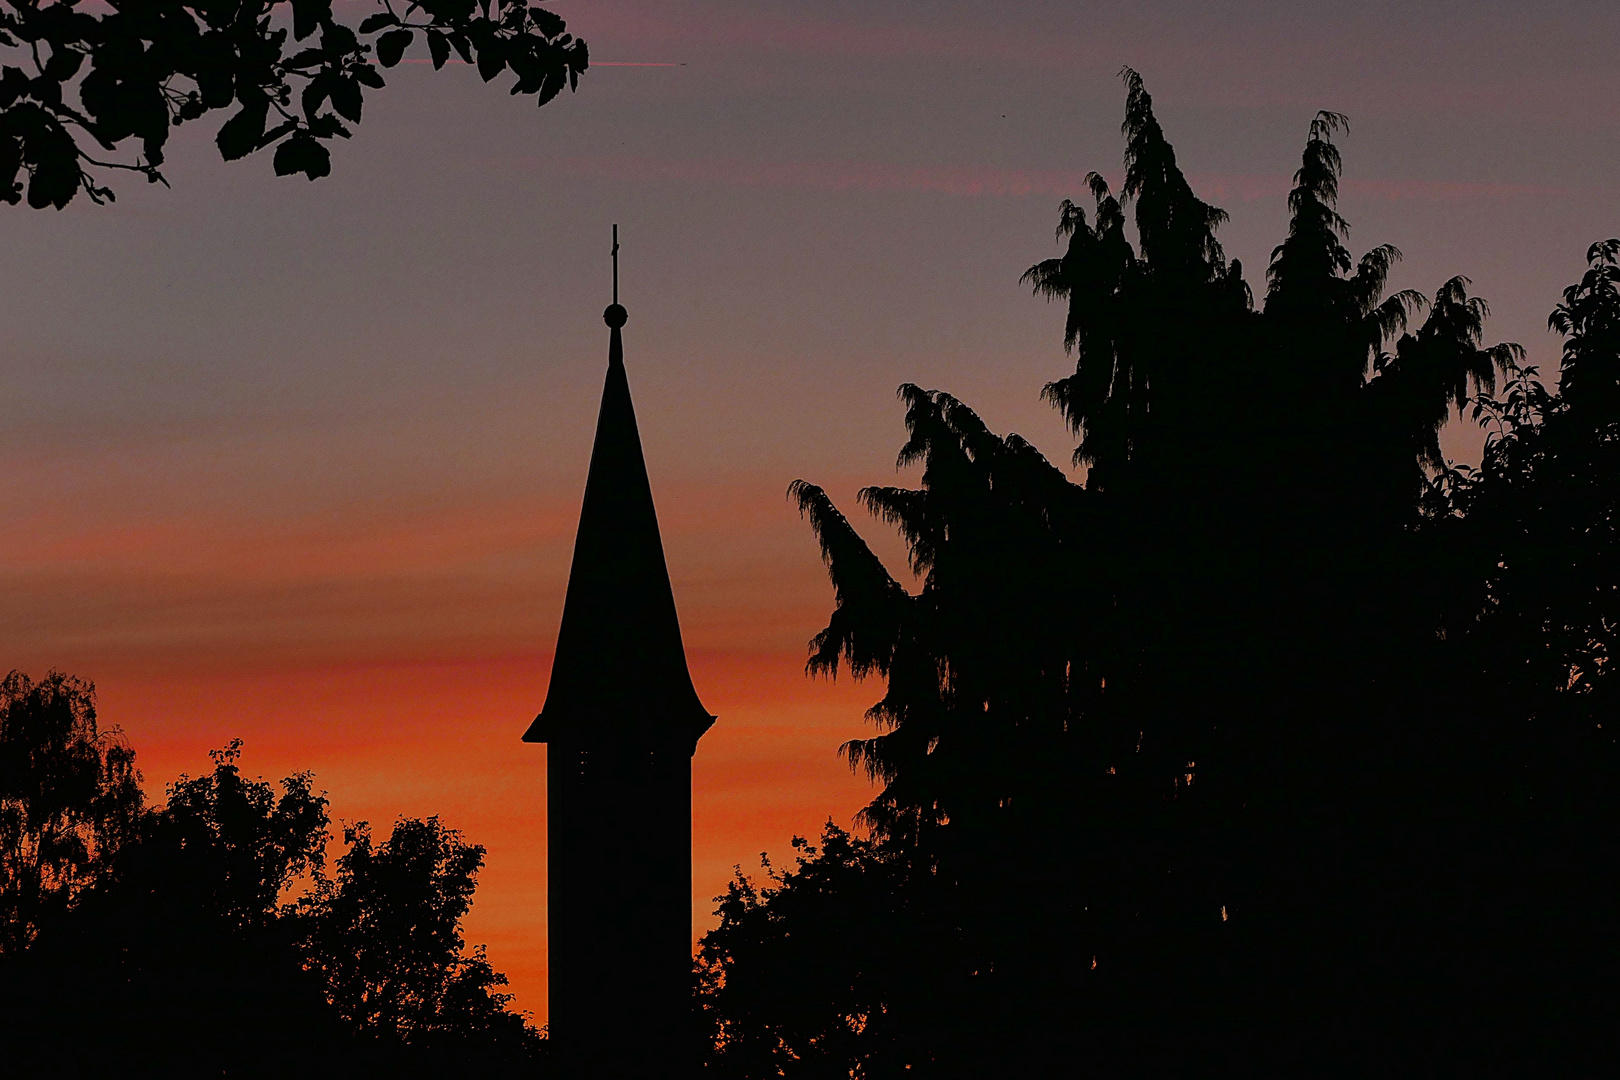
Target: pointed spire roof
<point>620,670</point>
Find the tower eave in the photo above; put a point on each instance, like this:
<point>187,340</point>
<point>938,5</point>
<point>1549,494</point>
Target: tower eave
<point>547,728</point>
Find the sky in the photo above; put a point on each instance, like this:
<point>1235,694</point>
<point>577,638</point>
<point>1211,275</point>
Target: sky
<point>300,462</point>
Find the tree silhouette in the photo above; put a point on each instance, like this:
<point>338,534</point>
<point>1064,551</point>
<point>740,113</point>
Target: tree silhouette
<point>1539,608</point>
<point>214,943</point>
<point>385,938</point>
<point>177,963</point>
<point>870,956</point>
<point>1274,745</point>
<point>147,66</point>
<point>70,800</point>
<point>244,842</point>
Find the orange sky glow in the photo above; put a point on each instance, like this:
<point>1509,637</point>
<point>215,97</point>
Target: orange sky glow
<point>399,654</point>
<point>421,738</point>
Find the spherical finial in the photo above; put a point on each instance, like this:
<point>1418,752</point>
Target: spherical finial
<point>615,316</point>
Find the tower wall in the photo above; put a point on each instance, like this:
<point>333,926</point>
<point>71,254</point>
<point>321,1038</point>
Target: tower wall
<point>620,910</point>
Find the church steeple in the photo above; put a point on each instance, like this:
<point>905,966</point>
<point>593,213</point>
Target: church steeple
<point>620,663</point>
<point>621,721</point>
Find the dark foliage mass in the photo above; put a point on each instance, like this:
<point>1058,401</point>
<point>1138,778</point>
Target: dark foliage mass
<point>210,940</point>
<point>814,968</point>
<point>70,800</point>
<point>1278,745</point>
<point>294,75</point>
<point>385,938</point>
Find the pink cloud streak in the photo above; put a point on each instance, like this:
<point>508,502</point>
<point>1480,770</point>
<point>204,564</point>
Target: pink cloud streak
<point>979,180</point>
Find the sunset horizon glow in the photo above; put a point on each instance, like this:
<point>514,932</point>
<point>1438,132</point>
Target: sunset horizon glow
<point>440,738</point>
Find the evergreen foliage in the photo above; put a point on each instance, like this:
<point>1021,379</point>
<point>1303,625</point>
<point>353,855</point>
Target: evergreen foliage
<point>1277,745</point>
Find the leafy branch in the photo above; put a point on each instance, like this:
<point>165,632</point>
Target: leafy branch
<point>296,77</point>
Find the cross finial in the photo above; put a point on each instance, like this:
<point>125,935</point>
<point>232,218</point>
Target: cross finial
<point>615,316</point>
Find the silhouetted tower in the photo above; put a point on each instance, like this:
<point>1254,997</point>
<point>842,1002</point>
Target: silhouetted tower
<point>621,721</point>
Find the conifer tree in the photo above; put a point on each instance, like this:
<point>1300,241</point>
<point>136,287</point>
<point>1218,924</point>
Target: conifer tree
<point>1214,734</point>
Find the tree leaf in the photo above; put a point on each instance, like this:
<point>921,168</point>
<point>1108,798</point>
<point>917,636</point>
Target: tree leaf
<point>239,136</point>
<point>439,47</point>
<point>10,163</point>
<point>546,22</point>
<point>305,59</point>
<point>314,95</point>
<point>391,46</point>
<point>215,85</point>
<point>276,132</point>
<point>56,174</point>
<point>490,61</point>
<point>327,126</point>
<point>63,64</point>
<point>339,40</point>
<point>13,85</point>
<point>308,16</point>
<point>372,23</point>
<point>302,154</point>
<point>346,98</point>
<point>551,87</point>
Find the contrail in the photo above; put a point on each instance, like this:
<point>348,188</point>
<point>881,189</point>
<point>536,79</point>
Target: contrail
<point>594,63</point>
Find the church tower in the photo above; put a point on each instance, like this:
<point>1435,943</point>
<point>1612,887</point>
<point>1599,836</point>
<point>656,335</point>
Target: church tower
<point>621,722</point>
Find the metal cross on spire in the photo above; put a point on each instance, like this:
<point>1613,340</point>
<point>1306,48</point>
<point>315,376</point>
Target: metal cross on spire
<point>615,315</point>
